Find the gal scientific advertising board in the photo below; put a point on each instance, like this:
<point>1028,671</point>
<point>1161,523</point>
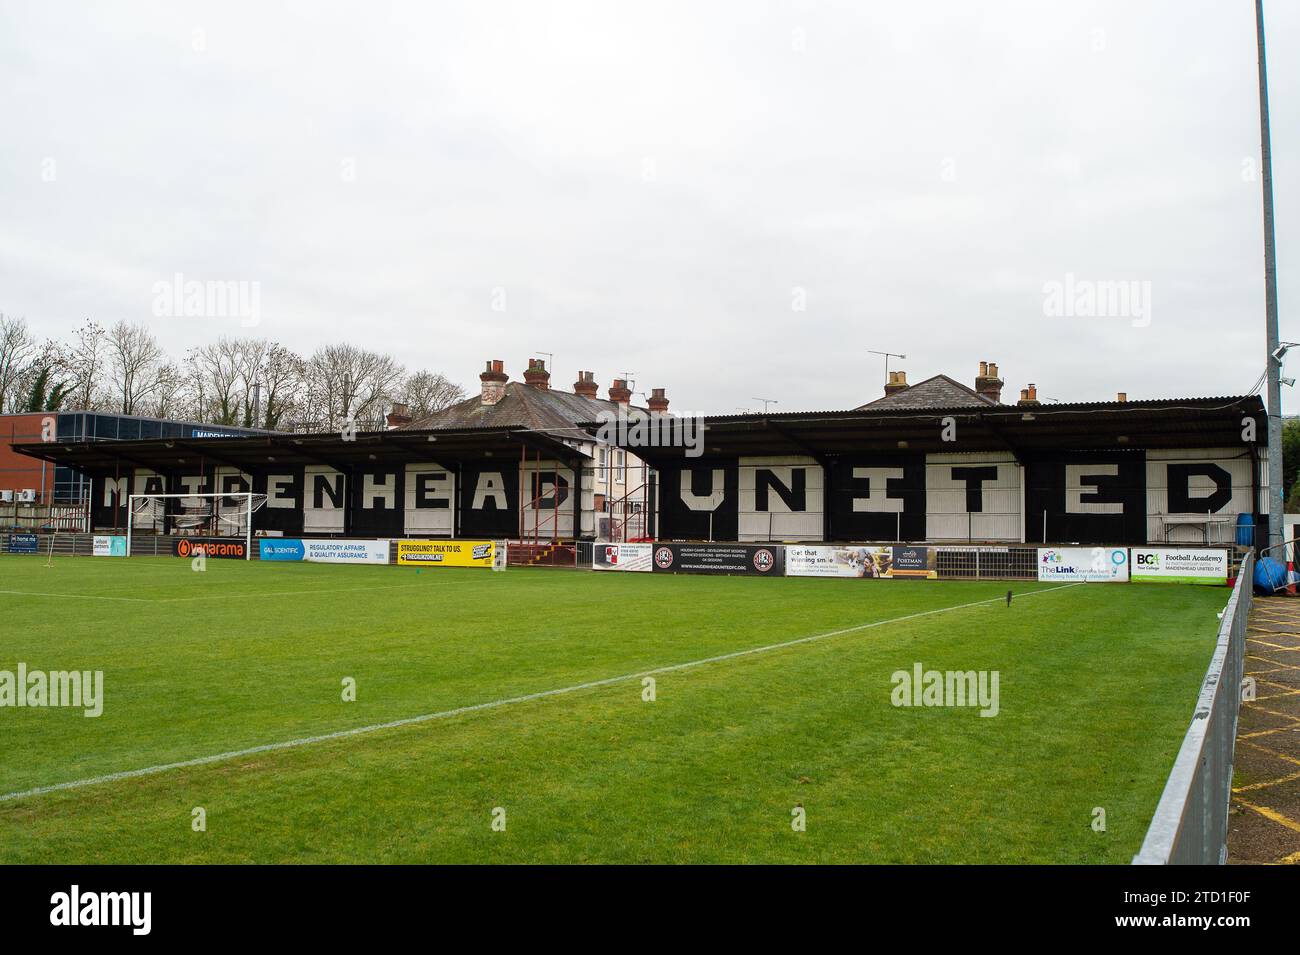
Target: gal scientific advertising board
<point>633,557</point>
<point>438,553</point>
<point>1168,565</point>
<point>884,563</point>
<point>1084,564</point>
<point>324,551</point>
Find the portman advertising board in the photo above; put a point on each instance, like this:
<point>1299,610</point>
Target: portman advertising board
<point>1170,565</point>
<point>23,544</point>
<point>324,550</point>
<point>232,548</point>
<point>753,559</point>
<point>635,557</point>
<point>885,563</point>
<point>108,547</point>
<point>437,553</point>
<point>1083,564</point>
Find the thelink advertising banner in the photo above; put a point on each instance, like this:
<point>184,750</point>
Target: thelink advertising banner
<point>1083,564</point>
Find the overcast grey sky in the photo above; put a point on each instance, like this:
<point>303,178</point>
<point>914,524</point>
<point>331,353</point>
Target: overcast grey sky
<point>658,187</point>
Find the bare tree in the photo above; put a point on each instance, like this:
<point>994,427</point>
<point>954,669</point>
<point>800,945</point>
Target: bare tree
<point>173,396</point>
<point>86,360</point>
<point>344,382</point>
<point>428,392</point>
<point>218,372</point>
<point>135,358</point>
<point>123,368</point>
<point>17,350</point>
<point>282,378</point>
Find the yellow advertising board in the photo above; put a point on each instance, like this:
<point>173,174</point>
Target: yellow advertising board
<point>438,553</point>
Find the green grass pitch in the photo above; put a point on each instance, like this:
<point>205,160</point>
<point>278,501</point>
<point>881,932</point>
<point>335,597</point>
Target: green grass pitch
<point>1097,684</point>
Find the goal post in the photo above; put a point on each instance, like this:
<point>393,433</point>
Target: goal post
<point>202,512</point>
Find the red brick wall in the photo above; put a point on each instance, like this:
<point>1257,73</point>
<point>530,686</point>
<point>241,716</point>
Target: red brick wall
<point>18,471</point>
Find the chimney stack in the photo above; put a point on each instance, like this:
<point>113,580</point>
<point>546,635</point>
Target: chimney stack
<point>586,385</point>
<point>897,382</point>
<point>988,383</point>
<point>400,415</point>
<point>620,392</point>
<point>657,403</point>
<point>537,376</point>
<point>1029,396</point>
<point>494,381</point>
<point>1122,396</point>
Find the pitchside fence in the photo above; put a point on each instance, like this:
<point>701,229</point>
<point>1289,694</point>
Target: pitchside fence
<point>952,562</point>
<point>83,545</point>
<point>1191,822</point>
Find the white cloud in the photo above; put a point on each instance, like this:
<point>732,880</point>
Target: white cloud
<point>648,184</point>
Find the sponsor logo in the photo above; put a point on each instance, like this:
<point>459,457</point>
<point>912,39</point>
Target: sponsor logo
<point>108,546</point>
<point>23,544</point>
<point>1185,565</point>
<point>764,560</point>
<point>284,549</point>
<point>189,547</point>
<point>664,557</point>
<point>1082,563</point>
<point>447,553</point>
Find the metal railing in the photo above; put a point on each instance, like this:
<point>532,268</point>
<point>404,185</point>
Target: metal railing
<point>1190,826</point>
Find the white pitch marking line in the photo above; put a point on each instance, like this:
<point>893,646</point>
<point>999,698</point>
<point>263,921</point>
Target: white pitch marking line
<point>492,704</point>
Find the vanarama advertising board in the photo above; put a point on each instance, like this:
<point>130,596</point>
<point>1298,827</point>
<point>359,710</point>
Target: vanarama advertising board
<point>440,553</point>
<point>1170,565</point>
<point>231,548</point>
<point>1083,564</point>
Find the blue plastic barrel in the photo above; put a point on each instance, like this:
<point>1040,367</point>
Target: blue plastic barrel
<point>1270,575</point>
<point>1246,530</point>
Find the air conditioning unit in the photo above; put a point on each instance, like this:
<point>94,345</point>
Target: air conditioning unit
<point>6,496</point>
<point>27,496</point>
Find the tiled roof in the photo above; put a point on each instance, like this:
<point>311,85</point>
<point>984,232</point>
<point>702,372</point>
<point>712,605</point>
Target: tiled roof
<point>937,392</point>
<point>522,406</point>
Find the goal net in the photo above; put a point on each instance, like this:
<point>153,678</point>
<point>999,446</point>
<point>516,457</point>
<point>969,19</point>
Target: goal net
<point>228,514</point>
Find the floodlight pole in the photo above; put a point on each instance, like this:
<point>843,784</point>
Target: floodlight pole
<point>1274,365</point>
